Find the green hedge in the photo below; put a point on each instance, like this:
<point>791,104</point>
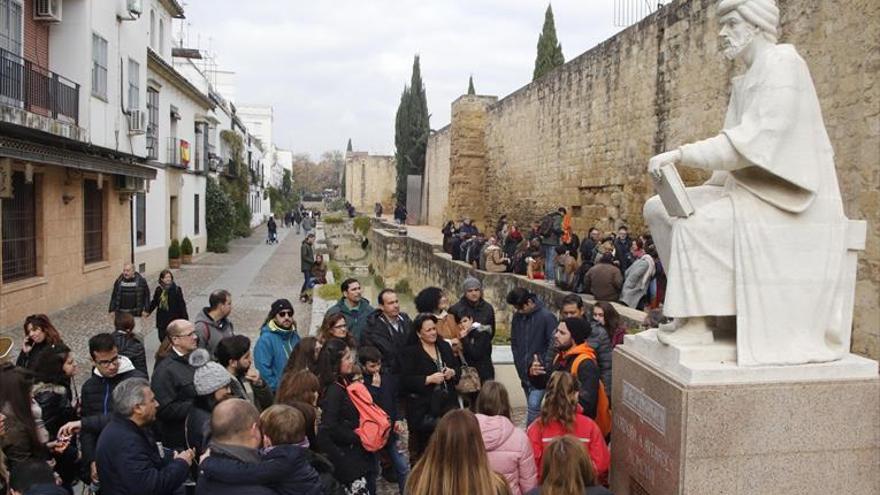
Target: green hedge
<point>219,209</point>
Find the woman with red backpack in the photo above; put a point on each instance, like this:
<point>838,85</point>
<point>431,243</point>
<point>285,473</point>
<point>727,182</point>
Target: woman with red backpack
<point>355,467</point>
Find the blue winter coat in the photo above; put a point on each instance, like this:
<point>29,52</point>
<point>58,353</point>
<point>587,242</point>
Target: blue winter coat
<point>271,352</point>
<point>285,469</point>
<point>531,334</point>
<point>129,462</point>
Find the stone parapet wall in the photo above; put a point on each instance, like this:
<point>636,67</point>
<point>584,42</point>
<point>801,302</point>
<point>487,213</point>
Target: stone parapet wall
<point>424,264</point>
<point>581,136</point>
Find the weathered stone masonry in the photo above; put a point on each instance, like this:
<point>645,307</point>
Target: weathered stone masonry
<point>581,136</point>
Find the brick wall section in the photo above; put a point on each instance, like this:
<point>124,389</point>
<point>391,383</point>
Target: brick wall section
<point>581,136</point>
<point>36,37</point>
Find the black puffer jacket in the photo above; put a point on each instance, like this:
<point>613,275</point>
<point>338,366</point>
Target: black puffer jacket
<point>480,311</point>
<point>55,403</point>
<point>29,359</point>
<point>173,385</point>
<point>131,347</point>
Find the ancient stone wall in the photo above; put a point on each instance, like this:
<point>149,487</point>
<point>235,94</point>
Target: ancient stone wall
<point>467,157</point>
<point>436,179</point>
<point>369,179</point>
<point>581,136</point>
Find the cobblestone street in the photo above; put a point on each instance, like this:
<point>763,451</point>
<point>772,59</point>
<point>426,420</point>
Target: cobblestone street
<point>254,272</point>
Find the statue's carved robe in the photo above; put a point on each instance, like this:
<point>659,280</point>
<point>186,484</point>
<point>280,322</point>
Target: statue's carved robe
<point>767,240</point>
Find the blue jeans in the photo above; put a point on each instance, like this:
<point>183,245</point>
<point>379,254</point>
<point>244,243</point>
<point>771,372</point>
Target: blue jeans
<point>534,396</point>
<point>307,282</point>
<point>550,262</point>
<point>398,461</point>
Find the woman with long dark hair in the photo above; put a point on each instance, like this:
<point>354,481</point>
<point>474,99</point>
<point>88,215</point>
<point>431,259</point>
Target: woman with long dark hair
<point>39,334</point>
<point>304,355</point>
<point>429,372</point>
<point>605,315</point>
<point>355,467</point>
<point>454,462</point>
<point>168,301</point>
<point>55,392</point>
<point>561,415</point>
<point>23,440</point>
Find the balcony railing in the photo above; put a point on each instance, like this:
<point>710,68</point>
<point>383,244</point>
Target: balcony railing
<point>37,89</point>
<point>179,152</point>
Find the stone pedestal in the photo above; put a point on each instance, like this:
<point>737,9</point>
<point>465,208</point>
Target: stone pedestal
<point>688,426</point>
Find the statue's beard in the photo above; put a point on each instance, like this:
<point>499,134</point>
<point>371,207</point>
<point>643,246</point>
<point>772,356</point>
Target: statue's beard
<point>733,47</point>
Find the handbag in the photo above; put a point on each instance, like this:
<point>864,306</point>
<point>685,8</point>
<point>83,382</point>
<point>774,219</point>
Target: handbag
<point>469,382</point>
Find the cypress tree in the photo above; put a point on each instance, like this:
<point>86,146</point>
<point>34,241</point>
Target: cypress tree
<point>411,131</point>
<point>549,48</point>
<point>471,90</point>
<point>348,148</point>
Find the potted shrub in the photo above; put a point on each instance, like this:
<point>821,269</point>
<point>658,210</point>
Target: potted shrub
<point>186,251</point>
<point>174,254</point>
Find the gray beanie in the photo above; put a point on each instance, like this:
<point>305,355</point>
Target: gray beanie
<point>210,376</point>
<point>472,283</point>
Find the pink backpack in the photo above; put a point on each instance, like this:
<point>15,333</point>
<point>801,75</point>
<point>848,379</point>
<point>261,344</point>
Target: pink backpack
<point>375,425</point>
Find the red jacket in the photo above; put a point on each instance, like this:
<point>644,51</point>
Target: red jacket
<point>585,429</point>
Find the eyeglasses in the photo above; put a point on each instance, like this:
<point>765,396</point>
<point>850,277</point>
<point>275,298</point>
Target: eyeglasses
<point>108,362</point>
<point>184,335</point>
<point>285,313</point>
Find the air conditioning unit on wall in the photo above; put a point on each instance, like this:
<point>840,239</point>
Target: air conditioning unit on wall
<point>127,184</point>
<point>47,10</point>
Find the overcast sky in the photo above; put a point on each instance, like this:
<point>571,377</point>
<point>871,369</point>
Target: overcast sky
<point>335,69</point>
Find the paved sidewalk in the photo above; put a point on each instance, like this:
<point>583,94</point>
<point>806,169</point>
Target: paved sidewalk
<point>254,272</point>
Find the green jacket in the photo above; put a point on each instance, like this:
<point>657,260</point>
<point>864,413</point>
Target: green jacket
<point>307,257</point>
<point>355,318</point>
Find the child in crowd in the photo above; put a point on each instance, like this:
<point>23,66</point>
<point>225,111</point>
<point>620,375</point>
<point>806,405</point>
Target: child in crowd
<point>285,463</point>
<point>382,389</point>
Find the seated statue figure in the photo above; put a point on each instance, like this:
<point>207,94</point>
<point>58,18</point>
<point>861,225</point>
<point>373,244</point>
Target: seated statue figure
<point>766,242</point>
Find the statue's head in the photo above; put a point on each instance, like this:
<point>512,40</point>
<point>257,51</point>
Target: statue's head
<point>744,20</point>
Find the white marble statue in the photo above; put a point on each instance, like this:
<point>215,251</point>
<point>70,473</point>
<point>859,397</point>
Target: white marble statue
<point>766,243</point>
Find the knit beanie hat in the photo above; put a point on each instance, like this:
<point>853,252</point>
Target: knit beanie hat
<point>210,376</point>
<point>579,328</point>
<point>278,306</point>
<point>472,283</point>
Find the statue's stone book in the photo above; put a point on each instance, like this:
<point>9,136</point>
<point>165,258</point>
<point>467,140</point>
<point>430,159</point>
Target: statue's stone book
<point>670,188</point>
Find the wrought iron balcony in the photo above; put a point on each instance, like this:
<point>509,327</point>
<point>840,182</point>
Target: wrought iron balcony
<point>37,89</point>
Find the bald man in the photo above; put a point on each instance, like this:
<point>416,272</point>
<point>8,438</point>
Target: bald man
<point>235,438</point>
<point>131,294</point>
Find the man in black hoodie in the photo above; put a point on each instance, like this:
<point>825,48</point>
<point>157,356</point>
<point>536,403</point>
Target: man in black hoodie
<point>131,294</point>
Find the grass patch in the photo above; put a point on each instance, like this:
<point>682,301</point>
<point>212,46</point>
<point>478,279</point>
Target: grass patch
<point>337,272</point>
<point>362,224</point>
<point>329,292</point>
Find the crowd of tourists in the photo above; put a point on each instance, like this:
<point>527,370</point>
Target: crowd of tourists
<point>323,414</point>
<point>612,266</point>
